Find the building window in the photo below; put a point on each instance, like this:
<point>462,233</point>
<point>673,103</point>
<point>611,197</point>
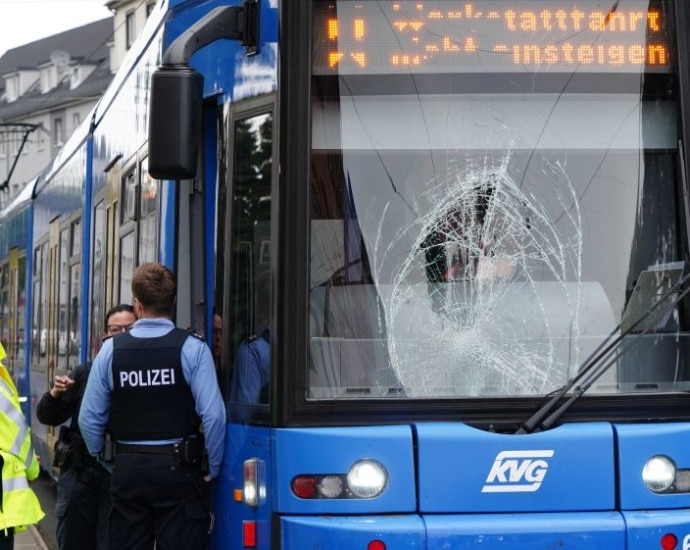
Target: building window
<point>130,29</point>
<point>76,120</point>
<point>149,8</point>
<point>48,78</point>
<point>40,138</point>
<point>11,88</point>
<point>75,77</point>
<point>58,132</point>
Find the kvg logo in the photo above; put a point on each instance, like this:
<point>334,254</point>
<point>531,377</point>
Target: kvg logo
<point>517,472</point>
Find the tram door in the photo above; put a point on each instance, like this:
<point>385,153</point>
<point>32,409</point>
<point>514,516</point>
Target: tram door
<point>248,207</point>
<point>104,253</point>
<point>107,274</point>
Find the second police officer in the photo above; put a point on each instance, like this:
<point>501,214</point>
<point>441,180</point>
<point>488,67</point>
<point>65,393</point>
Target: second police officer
<point>83,487</point>
<point>155,388</point>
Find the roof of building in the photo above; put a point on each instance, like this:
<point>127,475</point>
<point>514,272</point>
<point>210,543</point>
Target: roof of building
<point>87,44</point>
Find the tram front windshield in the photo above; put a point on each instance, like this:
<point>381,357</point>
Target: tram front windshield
<point>496,189</point>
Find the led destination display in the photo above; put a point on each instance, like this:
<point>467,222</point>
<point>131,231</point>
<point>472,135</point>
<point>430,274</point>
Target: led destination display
<point>361,37</point>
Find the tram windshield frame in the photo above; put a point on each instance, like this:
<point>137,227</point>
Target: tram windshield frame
<point>476,235</point>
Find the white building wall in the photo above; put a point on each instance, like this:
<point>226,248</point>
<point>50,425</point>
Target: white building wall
<point>130,18</point>
<point>41,145</point>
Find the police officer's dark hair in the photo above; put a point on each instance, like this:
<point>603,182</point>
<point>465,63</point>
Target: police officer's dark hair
<point>154,285</point>
<point>116,309</point>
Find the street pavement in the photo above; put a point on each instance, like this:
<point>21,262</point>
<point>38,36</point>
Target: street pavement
<point>42,535</point>
<point>30,539</point>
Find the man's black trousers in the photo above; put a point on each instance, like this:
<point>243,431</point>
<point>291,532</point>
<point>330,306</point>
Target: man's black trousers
<point>155,499</point>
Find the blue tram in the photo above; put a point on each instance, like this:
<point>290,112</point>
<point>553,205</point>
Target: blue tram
<point>487,349</point>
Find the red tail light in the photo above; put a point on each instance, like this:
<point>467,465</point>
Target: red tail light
<point>669,541</point>
<point>304,486</point>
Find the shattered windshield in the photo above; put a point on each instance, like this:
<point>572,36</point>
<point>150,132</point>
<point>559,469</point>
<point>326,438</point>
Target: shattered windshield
<point>491,182</point>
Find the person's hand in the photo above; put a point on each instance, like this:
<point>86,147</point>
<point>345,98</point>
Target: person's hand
<point>61,385</point>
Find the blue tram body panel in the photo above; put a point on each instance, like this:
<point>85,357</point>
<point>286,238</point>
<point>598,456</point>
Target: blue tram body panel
<point>227,71</point>
<point>322,451</point>
<point>286,453</point>
<point>585,531</point>
<point>637,443</point>
<point>462,469</point>
<point>241,442</point>
<point>645,529</point>
<point>350,532</point>
<point>452,486</point>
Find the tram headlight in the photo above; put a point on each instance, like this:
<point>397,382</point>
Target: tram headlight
<point>659,474</point>
<point>367,478</point>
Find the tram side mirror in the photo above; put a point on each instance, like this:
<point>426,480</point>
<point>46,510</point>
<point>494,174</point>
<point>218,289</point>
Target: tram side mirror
<point>175,112</point>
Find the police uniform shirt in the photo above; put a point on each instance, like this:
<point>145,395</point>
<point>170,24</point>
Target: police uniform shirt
<point>199,372</point>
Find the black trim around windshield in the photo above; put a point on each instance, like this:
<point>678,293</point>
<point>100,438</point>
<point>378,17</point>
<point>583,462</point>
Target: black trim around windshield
<point>501,415</point>
<point>291,344</point>
<point>655,85</point>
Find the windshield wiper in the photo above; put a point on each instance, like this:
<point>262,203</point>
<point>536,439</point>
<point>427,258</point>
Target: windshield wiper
<point>593,368</point>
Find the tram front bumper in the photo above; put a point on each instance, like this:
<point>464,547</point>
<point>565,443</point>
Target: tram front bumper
<point>585,531</point>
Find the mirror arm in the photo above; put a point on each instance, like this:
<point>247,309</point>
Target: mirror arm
<point>229,22</point>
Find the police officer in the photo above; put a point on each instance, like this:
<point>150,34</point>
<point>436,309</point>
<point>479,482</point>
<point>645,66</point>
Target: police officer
<point>155,387</point>
<point>83,487</point>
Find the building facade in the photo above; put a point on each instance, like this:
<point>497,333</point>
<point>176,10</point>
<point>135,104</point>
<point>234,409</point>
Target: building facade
<point>48,87</point>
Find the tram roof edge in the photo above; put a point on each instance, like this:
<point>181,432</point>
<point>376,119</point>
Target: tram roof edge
<point>24,197</point>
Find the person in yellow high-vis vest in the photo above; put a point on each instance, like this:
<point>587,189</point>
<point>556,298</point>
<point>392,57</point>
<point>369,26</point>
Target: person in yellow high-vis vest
<point>19,506</point>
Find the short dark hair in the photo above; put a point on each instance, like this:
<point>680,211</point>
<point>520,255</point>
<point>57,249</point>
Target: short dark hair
<point>154,285</point>
<point>116,309</point>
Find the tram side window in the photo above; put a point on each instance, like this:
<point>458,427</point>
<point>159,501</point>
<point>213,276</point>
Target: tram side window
<point>250,249</point>
<point>20,318</point>
<point>128,254</point>
<point>63,301</point>
<point>97,278</point>
<point>148,215</point>
<point>39,314</point>
<point>129,197</point>
<point>74,294</point>
<point>138,225</point>
<point>13,309</point>
<point>68,298</point>
<point>127,262</point>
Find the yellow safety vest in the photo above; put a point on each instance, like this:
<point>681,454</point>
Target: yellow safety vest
<point>20,507</point>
